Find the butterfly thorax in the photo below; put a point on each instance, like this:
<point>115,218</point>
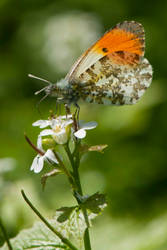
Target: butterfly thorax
<point>63,91</point>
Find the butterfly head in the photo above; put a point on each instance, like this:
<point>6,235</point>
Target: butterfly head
<point>62,91</point>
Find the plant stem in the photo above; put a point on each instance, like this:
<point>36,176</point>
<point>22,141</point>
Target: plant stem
<point>70,178</point>
<point>5,235</point>
<point>75,161</point>
<point>75,171</point>
<point>87,239</point>
<point>64,240</point>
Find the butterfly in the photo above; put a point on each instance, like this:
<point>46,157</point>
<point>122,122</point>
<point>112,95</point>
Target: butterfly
<point>113,71</point>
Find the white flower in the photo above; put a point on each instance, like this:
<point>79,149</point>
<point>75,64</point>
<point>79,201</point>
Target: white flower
<point>46,123</point>
<point>81,133</point>
<point>42,123</point>
<point>38,162</point>
<point>60,128</point>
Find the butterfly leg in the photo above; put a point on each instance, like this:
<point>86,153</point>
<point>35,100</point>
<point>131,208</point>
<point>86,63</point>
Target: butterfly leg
<point>58,109</point>
<point>77,112</point>
<point>67,110</point>
<point>38,103</point>
<point>76,117</point>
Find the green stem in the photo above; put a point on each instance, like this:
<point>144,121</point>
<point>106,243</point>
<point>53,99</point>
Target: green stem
<point>75,171</point>
<point>87,239</point>
<point>75,161</point>
<point>64,240</point>
<point>67,149</point>
<point>5,235</point>
<point>70,178</point>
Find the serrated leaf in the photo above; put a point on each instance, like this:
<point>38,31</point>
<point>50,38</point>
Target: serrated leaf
<point>38,237</point>
<point>66,211</point>
<point>73,219</point>
<point>95,203</point>
<point>52,173</point>
<point>69,222</point>
<point>75,226</point>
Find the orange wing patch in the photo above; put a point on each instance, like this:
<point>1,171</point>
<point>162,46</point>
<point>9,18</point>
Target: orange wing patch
<point>124,44</point>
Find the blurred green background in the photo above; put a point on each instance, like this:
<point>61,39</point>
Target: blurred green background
<point>44,38</point>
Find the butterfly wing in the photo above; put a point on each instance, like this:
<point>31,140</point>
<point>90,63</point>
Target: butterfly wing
<point>113,70</point>
<point>108,83</point>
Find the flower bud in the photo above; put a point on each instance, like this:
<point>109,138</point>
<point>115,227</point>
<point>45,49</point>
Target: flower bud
<point>48,143</point>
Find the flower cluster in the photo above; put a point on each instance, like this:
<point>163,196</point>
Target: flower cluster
<point>60,131</point>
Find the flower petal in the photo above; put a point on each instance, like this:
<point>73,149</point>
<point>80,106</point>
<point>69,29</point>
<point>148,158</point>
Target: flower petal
<point>46,132</point>
<point>34,163</point>
<point>39,143</point>
<point>54,122</point>
<point>39,165</point>
<point>65,117</point>
<point>61,137</point>
<point>89,125</point>
<point>49,155</point>
<point>66,123</point>
<point>81,133</point>
<point>42,123</point>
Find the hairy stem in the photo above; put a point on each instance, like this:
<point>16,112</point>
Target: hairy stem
<point>64,240</point>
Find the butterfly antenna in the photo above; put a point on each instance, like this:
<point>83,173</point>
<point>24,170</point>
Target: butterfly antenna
<point>38,78</point>
<point>41,79</point>
<point>39,91</point>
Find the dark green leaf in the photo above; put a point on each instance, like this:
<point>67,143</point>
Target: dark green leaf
<point>65,213</point>
<point>95,203</point>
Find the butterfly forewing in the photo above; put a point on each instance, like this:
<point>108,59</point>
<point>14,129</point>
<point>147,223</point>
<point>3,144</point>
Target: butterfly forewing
<point>126,36</point>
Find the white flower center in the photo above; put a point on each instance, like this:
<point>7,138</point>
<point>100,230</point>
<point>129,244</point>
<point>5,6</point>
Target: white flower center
<point>57,128</point>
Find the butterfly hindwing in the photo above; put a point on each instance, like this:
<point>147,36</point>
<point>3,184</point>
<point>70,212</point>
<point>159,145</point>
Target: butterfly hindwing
<point>106,83</point>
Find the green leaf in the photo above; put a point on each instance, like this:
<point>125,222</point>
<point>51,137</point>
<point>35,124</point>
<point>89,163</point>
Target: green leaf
<point>66,211</point>
<point>69,221</point>
<point>73,223</point>
<point>52,173</point>
<point>72,218</point>
<point>95,203</point>
<point>38,237</point>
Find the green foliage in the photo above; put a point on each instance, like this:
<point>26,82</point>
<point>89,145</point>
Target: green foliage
<point>69,221</point>
<point>95,203</point>
<point>37,237</point>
